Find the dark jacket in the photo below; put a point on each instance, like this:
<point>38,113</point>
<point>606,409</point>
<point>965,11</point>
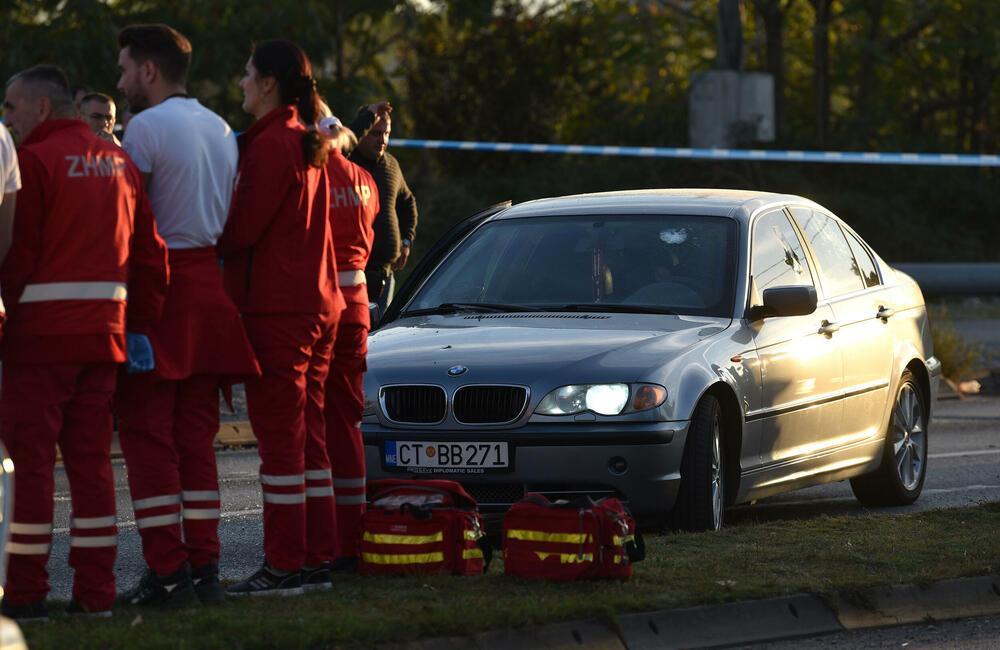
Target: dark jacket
<point>397,216</point>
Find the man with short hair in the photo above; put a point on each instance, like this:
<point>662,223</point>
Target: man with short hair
<point>396,222</point>
<point>168,419</point>
<point>84,241</point>
<point>98,111</point>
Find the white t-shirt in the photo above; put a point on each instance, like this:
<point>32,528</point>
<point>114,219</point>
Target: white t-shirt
<point>10,174</point>
<point>191,153</point>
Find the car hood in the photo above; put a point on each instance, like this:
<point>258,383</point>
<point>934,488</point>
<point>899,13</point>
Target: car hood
<point>519,347</point>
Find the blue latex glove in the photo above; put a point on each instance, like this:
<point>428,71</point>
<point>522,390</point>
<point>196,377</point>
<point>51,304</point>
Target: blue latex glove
<point>140,353</point>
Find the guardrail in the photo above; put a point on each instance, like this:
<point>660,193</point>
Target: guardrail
<point>936,279</point>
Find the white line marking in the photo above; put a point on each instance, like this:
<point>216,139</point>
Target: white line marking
<point>959,454</point>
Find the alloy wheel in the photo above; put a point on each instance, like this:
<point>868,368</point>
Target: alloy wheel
<point>716,474</point>
<point>909,436</point>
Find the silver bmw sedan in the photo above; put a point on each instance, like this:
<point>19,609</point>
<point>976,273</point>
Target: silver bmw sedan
<point>682,350</point>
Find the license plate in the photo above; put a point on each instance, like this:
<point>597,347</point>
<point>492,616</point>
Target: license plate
<point>453,457</point>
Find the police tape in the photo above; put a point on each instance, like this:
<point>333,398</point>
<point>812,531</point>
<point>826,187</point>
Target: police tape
<point>844,157</point>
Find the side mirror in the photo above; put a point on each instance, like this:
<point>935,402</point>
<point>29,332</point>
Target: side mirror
<point>374,314</point>
<point>785,301</point>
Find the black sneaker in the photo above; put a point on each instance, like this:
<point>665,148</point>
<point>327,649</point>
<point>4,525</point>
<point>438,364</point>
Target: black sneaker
<point>174,590</point>
<point>27,613</point>
<point>75,609</point>
<point>205,579</point>
<point>316,577</point>
<point>346,564</point>
<point>268,582</point>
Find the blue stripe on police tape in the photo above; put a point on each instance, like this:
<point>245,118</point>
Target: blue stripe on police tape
<point>862,157</point>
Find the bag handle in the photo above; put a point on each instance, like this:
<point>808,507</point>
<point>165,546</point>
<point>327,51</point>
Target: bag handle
<point>457,500</point>
<point>635,548</point>
<point>419,512</point>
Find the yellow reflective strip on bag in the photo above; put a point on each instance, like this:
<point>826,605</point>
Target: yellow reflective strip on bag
<point>414,558</point>
<point>472,535</point>
<point>472,553</point>
<point>386,538</point>
<point>566,558</point>
<point>542,536</point>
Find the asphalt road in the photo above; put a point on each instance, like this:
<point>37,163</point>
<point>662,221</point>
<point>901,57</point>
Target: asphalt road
<point>964,469</point>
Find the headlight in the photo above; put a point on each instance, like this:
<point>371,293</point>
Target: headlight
<point>603,399</point>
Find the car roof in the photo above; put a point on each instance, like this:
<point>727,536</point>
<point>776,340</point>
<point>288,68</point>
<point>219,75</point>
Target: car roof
<point>739,204</point>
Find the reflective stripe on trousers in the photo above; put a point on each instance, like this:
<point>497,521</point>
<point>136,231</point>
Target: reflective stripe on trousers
<point>74,291</point>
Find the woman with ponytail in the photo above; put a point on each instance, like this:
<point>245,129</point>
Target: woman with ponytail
<point>280,269</point>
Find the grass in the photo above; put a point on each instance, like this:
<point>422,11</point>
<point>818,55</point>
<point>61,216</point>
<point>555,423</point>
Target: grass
<point>828,556</point>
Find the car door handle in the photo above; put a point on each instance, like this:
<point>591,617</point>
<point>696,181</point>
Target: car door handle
<point>828,328</point>
<point>885,312</point>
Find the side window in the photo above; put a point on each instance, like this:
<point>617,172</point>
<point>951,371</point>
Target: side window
<point>865,262</point>
<point>777,257</point>
<point>837,266</point>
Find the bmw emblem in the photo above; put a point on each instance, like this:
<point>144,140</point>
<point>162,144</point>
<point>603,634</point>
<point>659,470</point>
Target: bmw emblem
<point>455,371</point>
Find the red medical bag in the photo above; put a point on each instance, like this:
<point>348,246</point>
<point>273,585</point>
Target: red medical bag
<point>420,527</point>
<point>569,540</point>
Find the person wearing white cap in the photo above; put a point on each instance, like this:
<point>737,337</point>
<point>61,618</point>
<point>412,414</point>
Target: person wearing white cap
<point>354,202</point>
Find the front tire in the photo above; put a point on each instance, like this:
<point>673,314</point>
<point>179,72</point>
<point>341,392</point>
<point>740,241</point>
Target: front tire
<point>699,506</point>
<point>900,477</point>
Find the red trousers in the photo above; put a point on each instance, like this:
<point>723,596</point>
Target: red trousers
<point>42,405</point>
<point>285,406</point>
<point>167,430</point>
<point>345,402</point>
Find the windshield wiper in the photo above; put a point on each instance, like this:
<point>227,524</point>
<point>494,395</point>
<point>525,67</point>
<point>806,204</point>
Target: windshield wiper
<point>480,307</point>
<point>613,308</point>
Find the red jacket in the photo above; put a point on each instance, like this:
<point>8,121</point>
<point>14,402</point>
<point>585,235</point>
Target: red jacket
<point>84,239</point>
<point>353,206</point>
<point>277,244</point>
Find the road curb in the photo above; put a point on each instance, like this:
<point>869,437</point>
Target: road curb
<point>901,604</point>
<point>742,622</point>
<point>578,634</point>
<point>752,621</point>
<point>235,434</point>
<point>231,435</point>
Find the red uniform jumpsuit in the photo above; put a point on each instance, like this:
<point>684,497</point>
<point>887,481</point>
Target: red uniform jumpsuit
<point>84,239</point>
<point>168,419</point>
<point>353,205</point>
<point>281,272</point>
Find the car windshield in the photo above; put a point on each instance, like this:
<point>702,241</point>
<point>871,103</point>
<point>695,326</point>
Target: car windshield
<point>609,263</point>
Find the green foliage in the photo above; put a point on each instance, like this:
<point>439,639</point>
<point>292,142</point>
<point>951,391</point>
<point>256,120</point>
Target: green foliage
<point>903,76</point>
<point>957,355</point>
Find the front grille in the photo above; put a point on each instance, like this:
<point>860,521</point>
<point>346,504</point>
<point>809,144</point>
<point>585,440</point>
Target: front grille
<point>495,497</point>
<point>570,492</point>
<point>489,404</point>
<point>416,404</point>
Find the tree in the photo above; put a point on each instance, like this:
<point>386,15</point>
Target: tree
<point>773,12</point>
